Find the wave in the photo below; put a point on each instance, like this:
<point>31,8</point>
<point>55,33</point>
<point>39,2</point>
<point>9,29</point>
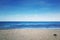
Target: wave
<point>12,25</point>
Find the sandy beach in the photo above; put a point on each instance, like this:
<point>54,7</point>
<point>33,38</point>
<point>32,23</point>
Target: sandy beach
<point>30,34</point>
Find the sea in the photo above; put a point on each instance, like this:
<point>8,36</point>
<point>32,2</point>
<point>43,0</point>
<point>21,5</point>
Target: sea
<point>27,25</point>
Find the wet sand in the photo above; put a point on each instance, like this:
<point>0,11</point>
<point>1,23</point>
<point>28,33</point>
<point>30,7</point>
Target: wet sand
<point>29,34</point>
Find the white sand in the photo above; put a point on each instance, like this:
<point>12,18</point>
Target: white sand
<point>29,34</point>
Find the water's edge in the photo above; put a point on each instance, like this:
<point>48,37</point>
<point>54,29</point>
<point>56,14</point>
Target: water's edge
<point>29,25</point>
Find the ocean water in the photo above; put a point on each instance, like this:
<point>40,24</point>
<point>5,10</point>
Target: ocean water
<point>42,25</point>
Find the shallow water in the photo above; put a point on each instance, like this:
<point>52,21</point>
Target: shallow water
<point>14,25</point>
<point>29,30</point>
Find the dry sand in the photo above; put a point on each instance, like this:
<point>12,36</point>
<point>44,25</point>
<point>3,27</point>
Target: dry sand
<point>29,34</point>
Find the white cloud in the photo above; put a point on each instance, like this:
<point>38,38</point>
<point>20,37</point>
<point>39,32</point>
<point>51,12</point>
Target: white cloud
<point>35,17</point>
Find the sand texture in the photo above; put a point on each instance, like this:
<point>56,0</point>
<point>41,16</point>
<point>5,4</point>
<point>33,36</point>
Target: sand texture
<point>29,34</point>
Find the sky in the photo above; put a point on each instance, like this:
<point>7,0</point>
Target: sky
<point>29,10</point>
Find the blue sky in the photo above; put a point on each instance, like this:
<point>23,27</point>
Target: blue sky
<point>29,10</point>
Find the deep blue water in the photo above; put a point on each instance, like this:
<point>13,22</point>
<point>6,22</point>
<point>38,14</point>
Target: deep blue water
<point>13,25</point>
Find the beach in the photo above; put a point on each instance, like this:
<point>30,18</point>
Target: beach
<point>30,34</point>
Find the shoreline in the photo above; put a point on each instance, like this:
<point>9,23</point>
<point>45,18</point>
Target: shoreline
<point>29,34</point>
